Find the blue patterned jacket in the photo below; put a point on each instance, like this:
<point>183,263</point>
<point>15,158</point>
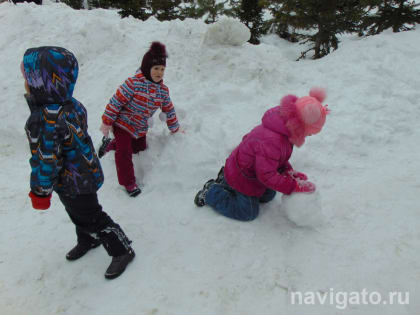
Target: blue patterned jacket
<point>63,156</point>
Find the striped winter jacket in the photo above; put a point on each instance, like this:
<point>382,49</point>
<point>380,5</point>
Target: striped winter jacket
<point>63,156</point>
<point>135,101</point>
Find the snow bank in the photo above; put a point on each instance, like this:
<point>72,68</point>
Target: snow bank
<point>191,260</point>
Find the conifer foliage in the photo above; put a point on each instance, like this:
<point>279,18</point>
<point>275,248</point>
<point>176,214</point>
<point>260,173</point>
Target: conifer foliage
<point>313,22</point>
<point>75,4</point>
<point>322,21</point>
<point>135,8</point>
<point>250,12</point>
<point>211,9</point>
<point>105,4</point>
<point>400,15</point>
<point>165,10</point>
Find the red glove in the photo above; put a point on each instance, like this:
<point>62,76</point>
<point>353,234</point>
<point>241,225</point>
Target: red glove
<point>297,175</point>
<point>304,186</point>
<point>40,202</point>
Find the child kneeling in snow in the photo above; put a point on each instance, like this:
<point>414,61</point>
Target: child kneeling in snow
<point>63,157</point>
<point>129,111</point>
<point>259,166</point>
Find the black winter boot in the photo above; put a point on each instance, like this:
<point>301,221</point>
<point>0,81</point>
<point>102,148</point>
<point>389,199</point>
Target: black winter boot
<point>220,175</point>
<point>133,190</point>
<point>200,198</point>
<point>102,149</point>
<point>81,249</point>
<point>118,264</point>
<point>117,245</point>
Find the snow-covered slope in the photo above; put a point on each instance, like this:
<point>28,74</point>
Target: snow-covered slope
<point>190,260</point>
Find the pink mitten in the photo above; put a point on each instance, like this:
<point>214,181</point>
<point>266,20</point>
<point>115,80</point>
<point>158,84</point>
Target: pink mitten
<point>304,186</point>
<point>297,175</point>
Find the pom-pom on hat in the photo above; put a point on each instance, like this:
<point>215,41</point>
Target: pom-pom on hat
<point>304,116</point>
<point>155,56</point>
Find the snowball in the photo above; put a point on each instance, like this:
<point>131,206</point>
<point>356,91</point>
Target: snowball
<point>227,31</point>
<point>305,210</point>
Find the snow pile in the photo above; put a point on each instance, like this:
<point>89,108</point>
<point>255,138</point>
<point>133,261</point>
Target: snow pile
<point>304,210</point>
<point>227,31</point>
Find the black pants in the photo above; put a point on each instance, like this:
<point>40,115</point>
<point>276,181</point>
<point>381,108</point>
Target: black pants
<point>93,223</point>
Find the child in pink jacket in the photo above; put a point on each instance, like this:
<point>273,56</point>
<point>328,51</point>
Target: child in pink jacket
<point>259,166</point>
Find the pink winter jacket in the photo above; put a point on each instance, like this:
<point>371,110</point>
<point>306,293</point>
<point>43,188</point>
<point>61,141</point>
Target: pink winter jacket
<point>261,159</point>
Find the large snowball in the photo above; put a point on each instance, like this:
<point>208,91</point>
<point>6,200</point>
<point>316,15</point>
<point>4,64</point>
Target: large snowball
<point>305,210</point>
<point>227,31</point>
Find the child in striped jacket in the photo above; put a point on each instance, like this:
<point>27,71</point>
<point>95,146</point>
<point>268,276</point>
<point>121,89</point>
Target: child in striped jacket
<point>129,110</point>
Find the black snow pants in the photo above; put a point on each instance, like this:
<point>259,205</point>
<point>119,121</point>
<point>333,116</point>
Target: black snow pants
<point>93,223</point>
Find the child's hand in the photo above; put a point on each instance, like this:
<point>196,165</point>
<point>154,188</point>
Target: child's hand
<point>105,129</point>
<point>304,186</point>
<point>297,175</point>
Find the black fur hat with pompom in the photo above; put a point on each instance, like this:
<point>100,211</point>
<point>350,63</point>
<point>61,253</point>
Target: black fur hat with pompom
<point>155,56</point>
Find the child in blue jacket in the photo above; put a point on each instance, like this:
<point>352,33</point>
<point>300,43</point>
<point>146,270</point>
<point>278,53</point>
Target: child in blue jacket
<point>63,157</point>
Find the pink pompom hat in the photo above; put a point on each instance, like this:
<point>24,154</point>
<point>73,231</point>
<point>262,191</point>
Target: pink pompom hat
<point>304,116</point>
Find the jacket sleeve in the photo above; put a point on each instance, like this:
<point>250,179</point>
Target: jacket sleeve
<point>267,161</point>
<point>285,168</point>
<point>122,96</point>
<point>46,131</point>
<point>171,119</point>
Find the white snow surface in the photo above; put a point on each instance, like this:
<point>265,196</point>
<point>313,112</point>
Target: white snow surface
<point>192,260</point>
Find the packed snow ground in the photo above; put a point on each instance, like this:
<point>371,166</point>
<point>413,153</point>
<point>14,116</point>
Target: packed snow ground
<point>191,260</point>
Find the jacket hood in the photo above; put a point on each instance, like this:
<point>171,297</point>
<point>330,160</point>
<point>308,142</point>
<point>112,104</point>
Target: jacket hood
<point>51,74</point>
<point>273,121</point>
